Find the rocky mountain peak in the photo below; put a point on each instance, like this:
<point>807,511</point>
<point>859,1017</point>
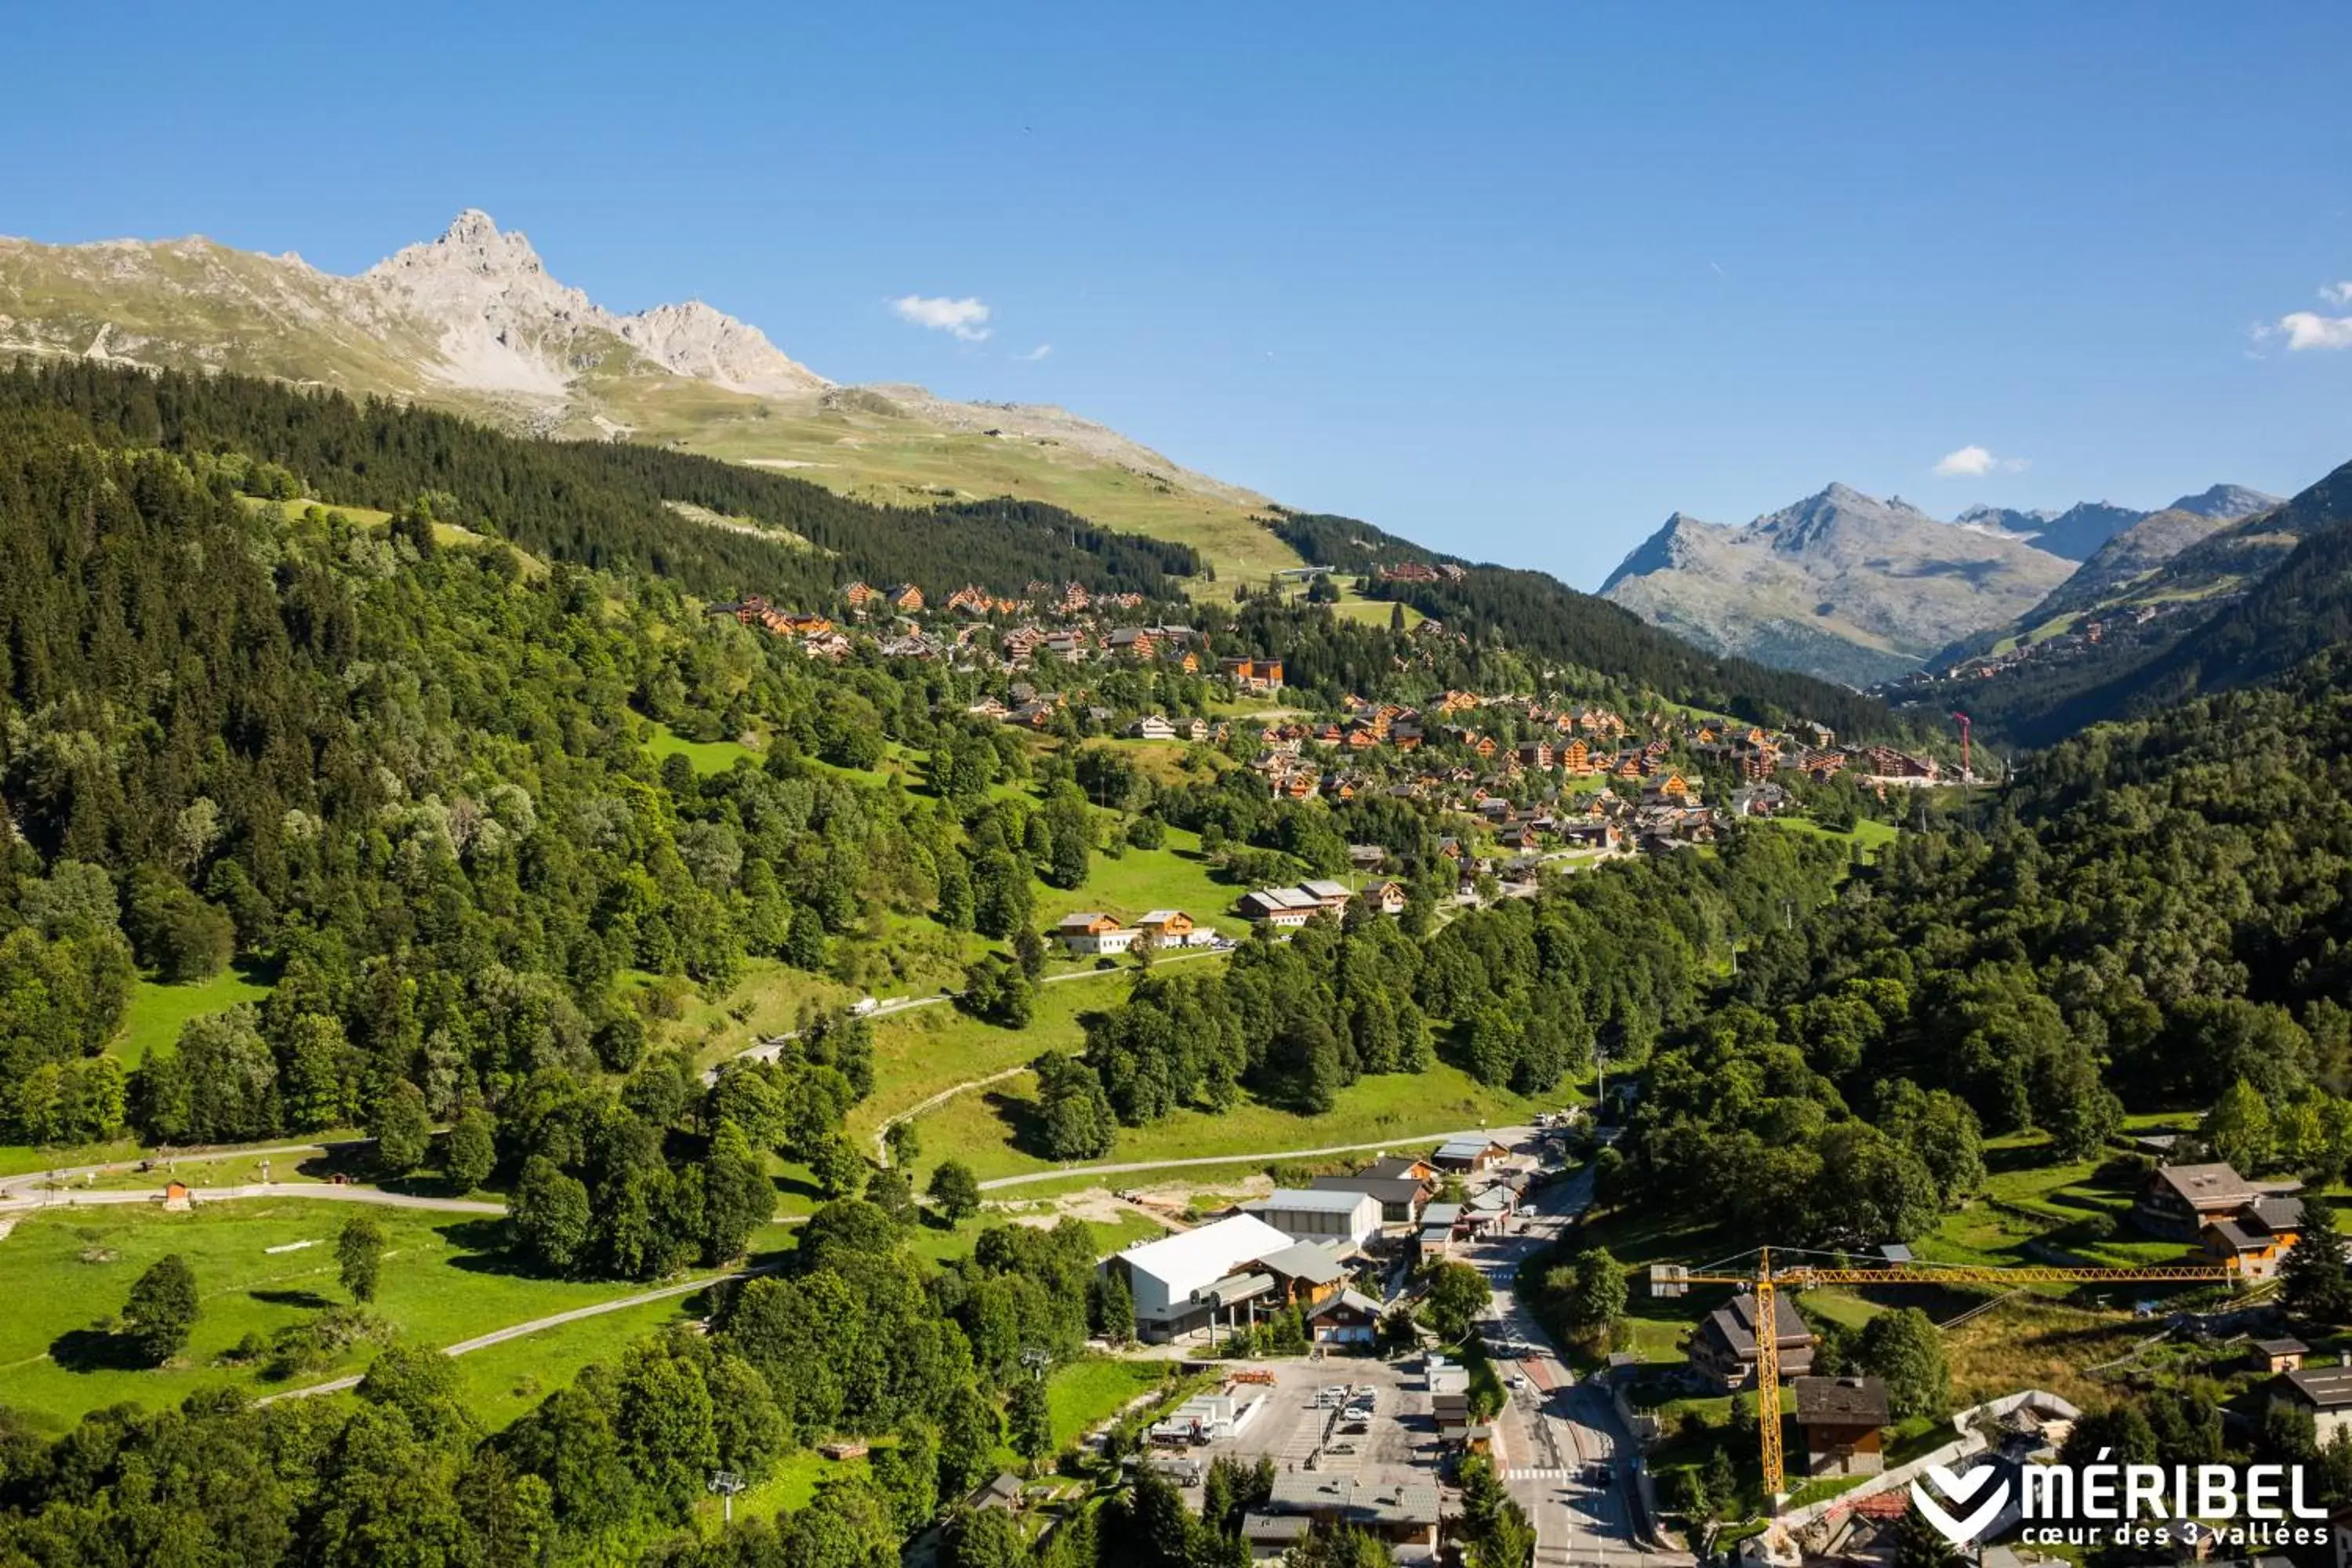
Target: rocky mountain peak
<point>2226,503</point>
<point>697,339</point>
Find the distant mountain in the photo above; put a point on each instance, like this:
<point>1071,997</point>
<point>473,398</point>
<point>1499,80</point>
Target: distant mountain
<point>1841,584</point>
<point>1543,621</point>
<point>2078,533</point>
<point>2225,504</point>
<point>474,322</point>
<point>2241,602</point>
<point>2125,569</point>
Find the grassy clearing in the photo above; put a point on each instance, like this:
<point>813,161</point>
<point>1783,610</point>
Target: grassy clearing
<point>158,1012</point>
<point>1176,876</point>
<point>1868,832</point>
<point>503,1381</point>
<point>1084,1392</point>
<point>709,757</point>
<point>983,1128</point>
<point>919,1053</point>
<point>18,1159</point>
<point>71,1270</point>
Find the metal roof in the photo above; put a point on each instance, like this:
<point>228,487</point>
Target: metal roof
<point>1197,1257</point>
<point>1311,1200</point>
<point>1304,1261</point>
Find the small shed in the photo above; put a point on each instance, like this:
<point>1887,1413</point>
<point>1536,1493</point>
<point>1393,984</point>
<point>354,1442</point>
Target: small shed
<point>177,1197</point>
<point>2279,1355</point>
<point>1841,1418</point>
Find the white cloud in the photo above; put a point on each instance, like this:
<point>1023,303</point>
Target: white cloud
<point>966,319</point>
<point>1034,355</point>
<point>2310,329</point>
<point>1971,462</point>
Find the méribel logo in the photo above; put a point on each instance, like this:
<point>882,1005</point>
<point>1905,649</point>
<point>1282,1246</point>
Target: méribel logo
<point>1961,1489</point>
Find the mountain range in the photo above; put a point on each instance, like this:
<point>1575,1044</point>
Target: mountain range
<point>474,322</point>
<point>1853,588</point>
<point>2177,605</point>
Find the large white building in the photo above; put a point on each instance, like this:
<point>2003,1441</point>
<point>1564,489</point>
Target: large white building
<point>1334,1217</point>
<point>1170,1278</point>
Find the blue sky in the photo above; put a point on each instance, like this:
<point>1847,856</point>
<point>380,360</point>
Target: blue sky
<point>1515,280</point>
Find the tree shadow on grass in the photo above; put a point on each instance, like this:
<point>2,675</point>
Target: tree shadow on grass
<point>309,1300</point>
<point>96,1350</point>
<point>1024,1121</point>
<point>789,1186</point>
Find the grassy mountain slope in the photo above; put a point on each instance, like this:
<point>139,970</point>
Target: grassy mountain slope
<point>472,322</point>
<point>2236,609</point>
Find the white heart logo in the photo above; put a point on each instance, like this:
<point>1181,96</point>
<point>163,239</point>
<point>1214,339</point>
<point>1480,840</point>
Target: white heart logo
<point>1960,1489</point>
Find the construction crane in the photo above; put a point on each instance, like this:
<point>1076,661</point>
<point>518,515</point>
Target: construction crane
<point>1767,1282</point>
<point>1963,721</point>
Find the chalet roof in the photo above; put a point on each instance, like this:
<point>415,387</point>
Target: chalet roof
<point>2237,1238</point>
<point>1305,1261</point>
<point>1735,1324</point>
<point>1842,1400</point>
<point>2215,1186</point>
<point>2282,1347</point>
<point>1393,1166</point>
<point>1448,1214</point>
<point>2323,1387</point>
<point>1348,1300</point>
<point>2278,1214</point>
<point>1387,1189</point>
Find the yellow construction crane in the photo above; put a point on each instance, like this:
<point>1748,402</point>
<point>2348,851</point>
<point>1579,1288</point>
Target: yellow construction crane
<point>1765,1281</point>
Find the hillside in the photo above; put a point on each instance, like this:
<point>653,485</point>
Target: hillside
<point>474,322</point>
<point>1560,629</point>
<point>1841,584</point>
<point>2237,606</point>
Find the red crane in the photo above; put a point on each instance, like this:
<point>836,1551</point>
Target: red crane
<point>1963,721</point>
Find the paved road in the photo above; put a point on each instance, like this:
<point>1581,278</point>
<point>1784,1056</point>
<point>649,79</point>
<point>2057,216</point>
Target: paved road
<point>1557,1427</point>
<point>553,1319</point>
<point>16,1187</point>
<point>70,1197</point>
<point>1395,1141</point>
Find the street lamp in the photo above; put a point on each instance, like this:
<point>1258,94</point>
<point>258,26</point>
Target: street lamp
<point>726,1483</point>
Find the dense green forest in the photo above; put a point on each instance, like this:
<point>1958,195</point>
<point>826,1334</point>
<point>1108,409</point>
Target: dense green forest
<point>1556,628</point>
<point>2155,917</point>
<point>597,504</point>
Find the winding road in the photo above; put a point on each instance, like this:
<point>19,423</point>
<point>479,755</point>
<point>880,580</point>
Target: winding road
<point>553,1319</point>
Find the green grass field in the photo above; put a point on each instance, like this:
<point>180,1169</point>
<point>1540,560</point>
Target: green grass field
<point>157,1012</point>
<point>71,1270</point>
<point>1868,832</point>
<point>505,1380</point>
<point>1084,1392</point>
<point>919,1053</point>
<point>709,757</point>
<point>1174,876</point>
<point>980,1127</point>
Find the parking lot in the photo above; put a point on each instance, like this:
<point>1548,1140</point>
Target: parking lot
<point>1397,1438</point>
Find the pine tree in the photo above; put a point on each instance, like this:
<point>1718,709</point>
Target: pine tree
<point>2312,1273</point>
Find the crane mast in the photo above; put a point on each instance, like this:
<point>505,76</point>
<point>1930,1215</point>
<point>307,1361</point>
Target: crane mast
<point>1767,1282</point>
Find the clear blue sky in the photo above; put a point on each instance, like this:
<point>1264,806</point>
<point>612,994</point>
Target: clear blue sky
<point>1515,280</point>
